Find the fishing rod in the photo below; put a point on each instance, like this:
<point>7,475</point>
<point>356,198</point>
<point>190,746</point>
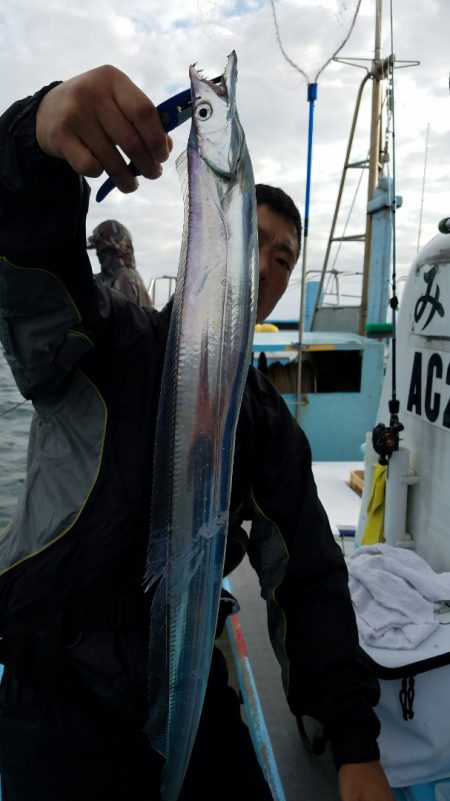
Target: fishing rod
<point>254,711</point>
<point>386,439</point>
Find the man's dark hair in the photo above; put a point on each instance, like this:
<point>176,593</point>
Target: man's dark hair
<point>282,204</point>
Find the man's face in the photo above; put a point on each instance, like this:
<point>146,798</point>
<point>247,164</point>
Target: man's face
<point>278,250</point>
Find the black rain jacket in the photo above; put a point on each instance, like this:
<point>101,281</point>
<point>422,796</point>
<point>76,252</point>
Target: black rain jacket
<point>91,363</point>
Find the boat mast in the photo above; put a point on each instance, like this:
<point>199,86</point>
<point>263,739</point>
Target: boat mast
<point>374,162</point>
<point>377,157</point>
<point>377,74</point>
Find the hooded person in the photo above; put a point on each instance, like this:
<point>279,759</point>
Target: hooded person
<point>114,247</point>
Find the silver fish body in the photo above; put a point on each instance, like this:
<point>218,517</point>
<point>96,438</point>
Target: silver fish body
<point>205,369</point>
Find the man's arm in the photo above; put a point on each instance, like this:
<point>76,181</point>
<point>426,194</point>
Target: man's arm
<point>364,782</point>
<point>304,580</point>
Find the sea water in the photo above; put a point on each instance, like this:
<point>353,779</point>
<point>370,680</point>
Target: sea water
<point>15,420</point>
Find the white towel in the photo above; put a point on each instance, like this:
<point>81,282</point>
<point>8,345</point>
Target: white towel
<point>396,595</point>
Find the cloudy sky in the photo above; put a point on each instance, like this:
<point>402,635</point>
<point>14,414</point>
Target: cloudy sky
<point>155,42</point>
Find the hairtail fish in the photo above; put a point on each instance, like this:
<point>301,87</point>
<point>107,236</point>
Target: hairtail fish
<point>205,369</point>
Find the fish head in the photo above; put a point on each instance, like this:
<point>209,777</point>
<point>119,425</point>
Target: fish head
<point>216,131</point>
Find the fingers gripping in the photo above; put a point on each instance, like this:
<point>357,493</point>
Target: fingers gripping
<point>87,119</point>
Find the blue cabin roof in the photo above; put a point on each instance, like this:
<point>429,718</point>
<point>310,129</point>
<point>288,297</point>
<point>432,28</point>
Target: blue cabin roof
<point>312,340</point>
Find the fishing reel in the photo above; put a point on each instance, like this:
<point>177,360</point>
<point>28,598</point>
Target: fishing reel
<point>386,439</point>
<point>444,225</point>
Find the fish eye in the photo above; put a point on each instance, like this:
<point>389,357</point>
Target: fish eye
<point>203,111</point>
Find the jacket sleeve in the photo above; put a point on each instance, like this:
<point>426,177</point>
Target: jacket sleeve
<point>303,579</point>
<point>47,293</point>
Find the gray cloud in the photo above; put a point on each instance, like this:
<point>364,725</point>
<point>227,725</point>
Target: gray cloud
<point>41,40</point>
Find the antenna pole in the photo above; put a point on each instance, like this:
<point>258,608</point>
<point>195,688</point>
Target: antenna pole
<point>377,74</point>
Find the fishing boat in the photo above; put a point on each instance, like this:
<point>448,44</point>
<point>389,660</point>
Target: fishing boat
<point>414,707</point>
<point>342,334</point>
<point>397,396</point>
<point>414,419</point>
<point>342,331</point>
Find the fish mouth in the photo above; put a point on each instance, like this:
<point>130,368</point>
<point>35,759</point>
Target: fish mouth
<point>224,86</point>
<point>219,143</point>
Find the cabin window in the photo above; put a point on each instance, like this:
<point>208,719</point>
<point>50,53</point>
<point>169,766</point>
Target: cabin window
<point>322,371</point>
<point>338,370</point>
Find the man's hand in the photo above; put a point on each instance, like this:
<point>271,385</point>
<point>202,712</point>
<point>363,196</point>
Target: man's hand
<point>364,782</point>
<point>85,118</point>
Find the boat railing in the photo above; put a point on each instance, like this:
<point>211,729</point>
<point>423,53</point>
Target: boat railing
<point>341,288</point>
<point>161,289</point>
